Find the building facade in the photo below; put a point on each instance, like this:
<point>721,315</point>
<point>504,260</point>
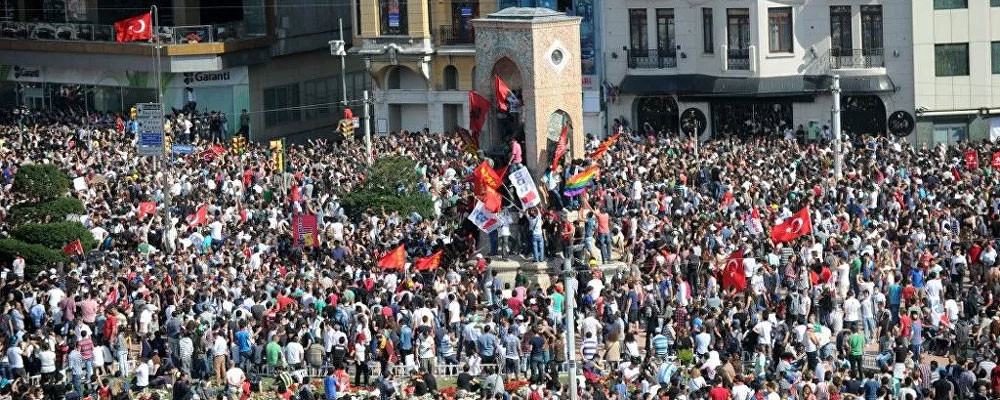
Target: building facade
<point>956,48</point>
<point>234,55</point>
<point>747,67</point>
<point>421,56</point>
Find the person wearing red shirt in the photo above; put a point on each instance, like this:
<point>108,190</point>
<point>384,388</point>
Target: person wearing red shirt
<point>719,392</point>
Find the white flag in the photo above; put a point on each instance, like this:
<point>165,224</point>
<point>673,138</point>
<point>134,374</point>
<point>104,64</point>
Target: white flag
<point>485,220</point>
<point>525,187</point>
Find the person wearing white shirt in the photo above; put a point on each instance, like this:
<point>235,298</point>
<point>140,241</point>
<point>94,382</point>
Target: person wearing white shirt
<point>235,378</point>
<point>934,287</point>
<point>47,359</point>
<point>18,266</point>
<point>142,375</point>
<point>293,354</point>
<point>852,310</point>
<point>220,348</point>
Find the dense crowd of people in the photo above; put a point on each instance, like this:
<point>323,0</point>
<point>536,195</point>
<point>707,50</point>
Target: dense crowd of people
<point>891,294</point>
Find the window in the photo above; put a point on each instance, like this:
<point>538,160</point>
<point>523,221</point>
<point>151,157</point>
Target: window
<point>996,56</point>
<point>779,26</point>
<point>951,4</point>
<point>840,31</point>
<point>738,28</point>
<point>450,78</point>
<point>281,104</point>
<point>871,29</point>
<point>665,31</point>
<point>320,94</point>
<point>708,41</point>
<point>994,3</point>
<point>637,30</point>
<point>951,59</point>
<point>357,18</point>
<point>950,133</point>
<point>393,18</point>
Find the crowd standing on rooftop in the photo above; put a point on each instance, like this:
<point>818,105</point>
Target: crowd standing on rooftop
<point>892,293</point>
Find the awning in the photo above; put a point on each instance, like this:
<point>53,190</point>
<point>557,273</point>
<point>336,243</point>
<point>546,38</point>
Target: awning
<point>794,85</point>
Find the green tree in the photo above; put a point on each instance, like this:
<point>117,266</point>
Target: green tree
<point>41,181</point>
<point>390,183</point>
<point>40,229</point>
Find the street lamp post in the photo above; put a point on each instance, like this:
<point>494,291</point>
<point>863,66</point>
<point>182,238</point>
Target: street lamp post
<point>569,274</point>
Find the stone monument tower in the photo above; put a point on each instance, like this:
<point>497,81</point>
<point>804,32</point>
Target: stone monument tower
<point>536,52</point>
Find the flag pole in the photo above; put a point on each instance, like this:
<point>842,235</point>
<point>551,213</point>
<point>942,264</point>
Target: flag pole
<point>157,47</point>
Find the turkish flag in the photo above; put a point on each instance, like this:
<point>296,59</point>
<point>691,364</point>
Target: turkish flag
<point>793,227</point>
<point>561,146</point>
<point>428,263</point>
<point>479,107</point>
<point>734,274</point>
<point>74,248</point>
<point>501,90</point>
<point>199,217</point>
<point>146,207</point>
<point>996,160</point>
<point>395,259</point>
<point>119,124</point>
<point>136,28</point>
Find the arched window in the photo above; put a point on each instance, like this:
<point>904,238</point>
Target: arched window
<point>450,78</point>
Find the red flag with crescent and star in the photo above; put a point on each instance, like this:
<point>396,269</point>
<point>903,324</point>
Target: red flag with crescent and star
<point>734,274</point>
<point>146,208</point>
<point>395,259</point>
<point>138,27</point>
<point>793,227</point>
<point>74,248</point>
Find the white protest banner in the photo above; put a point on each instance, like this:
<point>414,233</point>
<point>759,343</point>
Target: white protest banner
<point>525,186</point>
<point>485,220</point>
<point>80,184</point>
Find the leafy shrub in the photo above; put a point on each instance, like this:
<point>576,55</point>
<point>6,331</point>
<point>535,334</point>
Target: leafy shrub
<point>36,256</point>
<point>357,202</point>
<point>55,235</point>
<point>382,188</point>
<point>41,181</point>
<point>53,210</point>
<point>390,173</point>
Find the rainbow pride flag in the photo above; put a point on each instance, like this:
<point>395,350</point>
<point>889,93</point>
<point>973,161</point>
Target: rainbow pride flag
<point>579,182</point>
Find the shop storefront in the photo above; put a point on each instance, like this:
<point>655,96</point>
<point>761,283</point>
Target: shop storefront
<point>84,91</point>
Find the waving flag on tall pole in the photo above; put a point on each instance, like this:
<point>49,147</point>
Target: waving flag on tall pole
<point>135,28</point>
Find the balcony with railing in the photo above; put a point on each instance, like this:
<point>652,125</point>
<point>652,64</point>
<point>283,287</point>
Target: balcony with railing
<point>652,58</point>
<point>450,35</point>
<point>69,32</point>
<point>738,59</point>
<point>856,58</point>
